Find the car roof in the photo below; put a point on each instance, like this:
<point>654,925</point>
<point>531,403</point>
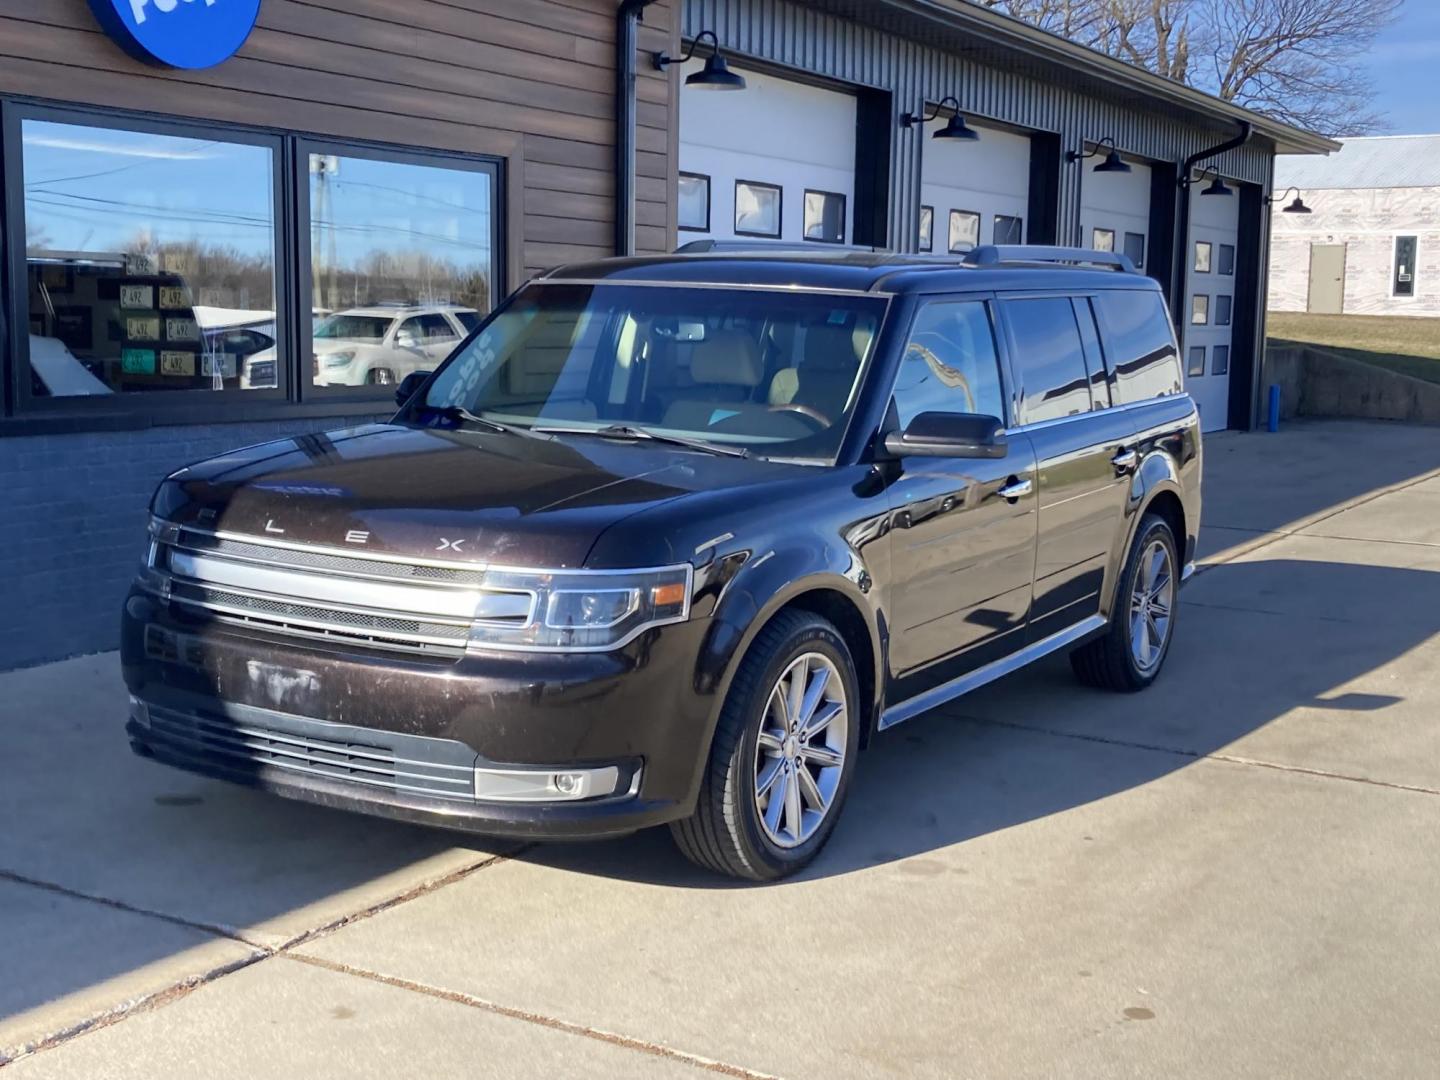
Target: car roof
<point>853,270</point>
<point>392,311</point>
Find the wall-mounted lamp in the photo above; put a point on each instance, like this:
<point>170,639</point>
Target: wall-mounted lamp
<point>716,75</point>
<point>954,129</point>
<point>1215,187</point>
<point>1113,162</point>
<point>1296,207</point>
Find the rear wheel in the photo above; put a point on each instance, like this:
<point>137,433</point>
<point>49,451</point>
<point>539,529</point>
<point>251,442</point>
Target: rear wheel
<point>380,376</point>
<point>1142,621</point>
<point>783,754</point>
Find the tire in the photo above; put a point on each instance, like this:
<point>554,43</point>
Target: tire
<point>1114,661</point>
<point>380,377</point>
<point>728,833</point>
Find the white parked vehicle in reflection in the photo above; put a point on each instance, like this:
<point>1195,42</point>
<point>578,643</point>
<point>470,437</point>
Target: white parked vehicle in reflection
<point>380,345</point>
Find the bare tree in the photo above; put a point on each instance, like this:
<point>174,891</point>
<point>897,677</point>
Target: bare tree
<point>1296,60</point>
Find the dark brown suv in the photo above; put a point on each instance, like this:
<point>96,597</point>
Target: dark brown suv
<point>670,540</point>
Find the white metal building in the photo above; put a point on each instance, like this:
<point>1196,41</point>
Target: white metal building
<point>1371,245</point>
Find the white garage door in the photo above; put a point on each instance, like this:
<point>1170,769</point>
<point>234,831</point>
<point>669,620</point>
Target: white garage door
<point>973,192</point>
<point>775,161</point>
<point>1115,210</point>
<point>1210,303</point>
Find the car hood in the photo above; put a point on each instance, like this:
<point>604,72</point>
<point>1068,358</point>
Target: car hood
<point>432,493</point>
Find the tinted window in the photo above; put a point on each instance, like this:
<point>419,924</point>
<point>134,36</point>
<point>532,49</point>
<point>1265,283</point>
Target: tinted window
<point>435,327</point>
<point>950,364</point>
<point>1048,359</point>
<point>1094,362</point>
<point>1139,344</point>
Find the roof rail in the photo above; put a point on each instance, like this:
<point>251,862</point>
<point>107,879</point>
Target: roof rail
<point>700,247</point>
<point>999,254</point>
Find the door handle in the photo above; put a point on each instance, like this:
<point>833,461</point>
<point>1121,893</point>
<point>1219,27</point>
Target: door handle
<point>1014,488</point>
<point>1125,461</point>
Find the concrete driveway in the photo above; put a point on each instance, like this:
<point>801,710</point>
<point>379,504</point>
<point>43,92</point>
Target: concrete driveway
<point>1235,874</point>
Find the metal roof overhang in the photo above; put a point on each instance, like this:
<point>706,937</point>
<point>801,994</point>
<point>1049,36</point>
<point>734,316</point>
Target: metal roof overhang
<point>1007,42</point>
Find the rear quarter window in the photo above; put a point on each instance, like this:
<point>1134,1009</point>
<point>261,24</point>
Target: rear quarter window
<point>1139,344</point>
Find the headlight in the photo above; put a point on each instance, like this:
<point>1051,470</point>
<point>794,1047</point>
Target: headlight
<point>586,611</point>
<point>337,359</point>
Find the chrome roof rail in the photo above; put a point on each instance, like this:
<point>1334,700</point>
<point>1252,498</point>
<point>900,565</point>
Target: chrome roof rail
<point>1001,254</point>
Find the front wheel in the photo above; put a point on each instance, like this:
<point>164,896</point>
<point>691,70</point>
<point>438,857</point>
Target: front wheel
<point>783,754</point>
<point>1142,621</point>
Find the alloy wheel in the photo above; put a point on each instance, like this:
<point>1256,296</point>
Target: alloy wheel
<point>1151,602</point>
<point>800,751</point>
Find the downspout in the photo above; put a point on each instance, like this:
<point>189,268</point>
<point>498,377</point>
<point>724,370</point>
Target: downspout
<point>627,22</point>
<point>1180,278</point>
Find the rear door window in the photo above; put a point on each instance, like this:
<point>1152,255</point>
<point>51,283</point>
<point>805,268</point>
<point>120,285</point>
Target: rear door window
<point>1139,344</point>
<point>1048,359</point>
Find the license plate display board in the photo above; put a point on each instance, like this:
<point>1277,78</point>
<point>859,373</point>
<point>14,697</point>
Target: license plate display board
<point>177,363</point>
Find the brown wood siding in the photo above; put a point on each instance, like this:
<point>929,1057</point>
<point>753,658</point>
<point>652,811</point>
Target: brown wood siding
<point>528,81</point>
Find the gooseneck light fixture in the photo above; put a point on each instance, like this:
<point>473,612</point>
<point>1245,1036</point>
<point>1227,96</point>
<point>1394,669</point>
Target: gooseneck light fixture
<point>955,128</point>
<point>1296,207</point>
<point>1113,162</point>
<point>1216,185</point>
<point>716,75</point>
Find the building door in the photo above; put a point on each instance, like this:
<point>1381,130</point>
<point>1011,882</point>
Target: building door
<point>1209,312</point>
<point>973,193</point>
<point>776,162</point>
<point>1327,280</point>
<point>1115,210</point>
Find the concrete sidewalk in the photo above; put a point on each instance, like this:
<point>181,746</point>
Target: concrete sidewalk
<point>1233,874</point>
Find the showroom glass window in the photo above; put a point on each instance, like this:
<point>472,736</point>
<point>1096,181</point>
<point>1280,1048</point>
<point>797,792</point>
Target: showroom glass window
<point>401,263</point>
<point>149,260</point>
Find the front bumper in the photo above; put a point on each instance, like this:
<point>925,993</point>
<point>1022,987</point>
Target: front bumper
<point>402,738</point>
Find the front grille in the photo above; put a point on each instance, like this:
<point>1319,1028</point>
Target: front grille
<point>246,745</point>
<point>375,603</point>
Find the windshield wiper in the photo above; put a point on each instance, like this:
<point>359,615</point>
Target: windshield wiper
<point>629,431</point>
<point>463,415</point>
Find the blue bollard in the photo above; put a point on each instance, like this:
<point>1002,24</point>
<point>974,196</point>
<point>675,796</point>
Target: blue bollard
<point>1272,422</point>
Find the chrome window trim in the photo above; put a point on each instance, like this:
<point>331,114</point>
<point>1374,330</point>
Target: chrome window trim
<point>1057,420</point>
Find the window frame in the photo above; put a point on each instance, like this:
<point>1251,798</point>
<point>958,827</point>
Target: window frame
<point>302,385</point>
<point>779,209</point>
<point>979,227</point>
<point>709,201</point>
<point>23,413</point>
<point>844,216</point>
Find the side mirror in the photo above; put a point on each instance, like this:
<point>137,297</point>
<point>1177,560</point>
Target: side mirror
<point>409,385</point>
<point>944,434</point>
<point>406,339</point>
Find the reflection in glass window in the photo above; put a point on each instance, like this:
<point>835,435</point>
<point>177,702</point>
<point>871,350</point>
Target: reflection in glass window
<point>1103,240</point>
<point>1048,360</point>
<point>757,209</point>
<point>927,228</point>
<point>150,261</point>
<point>825,217</point>
<point>950,364</point>
<point>694,203</point>
<point>1009,230</point>
<point>964,231</point>
<point>1135,249</point>
<point>400,255</point>
<point>1203,251</point>
<point>1139,344</point>
<point>1199,310</point>
<point>1197,361</point>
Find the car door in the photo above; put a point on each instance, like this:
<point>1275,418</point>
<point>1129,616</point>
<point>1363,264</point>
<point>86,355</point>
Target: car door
<point>1084,451</point>
<point>963,529</point>
<point>437,337</point>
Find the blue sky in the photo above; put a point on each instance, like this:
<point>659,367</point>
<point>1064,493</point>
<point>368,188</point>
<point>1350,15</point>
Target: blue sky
<point>1403,63</point>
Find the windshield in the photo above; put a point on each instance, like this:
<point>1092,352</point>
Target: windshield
<point>775,372</point>
<point>354,327</point>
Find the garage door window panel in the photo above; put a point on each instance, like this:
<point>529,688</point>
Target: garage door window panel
<point>825,217</point>
<point>148,261</point>
<point>1048,360</point>
<point>694,202</point>
<point>927,228</point>
<point>1225,262</point>
<point>1103,239</point>
<point>950,363</point>
<point>1197,361</point>
<point>1204,253</point>
<point>1199,310</point>
<point>758,209</point>
<point>964,231</point>
<point>1406,250</point>
<point>1135,249</point>
<point>1223,310</point>
<point>1009,230</point>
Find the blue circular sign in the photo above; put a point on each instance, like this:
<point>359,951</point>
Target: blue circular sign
<point>178,33</point>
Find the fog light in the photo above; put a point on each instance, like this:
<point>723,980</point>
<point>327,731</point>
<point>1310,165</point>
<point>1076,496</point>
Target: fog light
<point>545,785</point>
<point>139,712</point>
